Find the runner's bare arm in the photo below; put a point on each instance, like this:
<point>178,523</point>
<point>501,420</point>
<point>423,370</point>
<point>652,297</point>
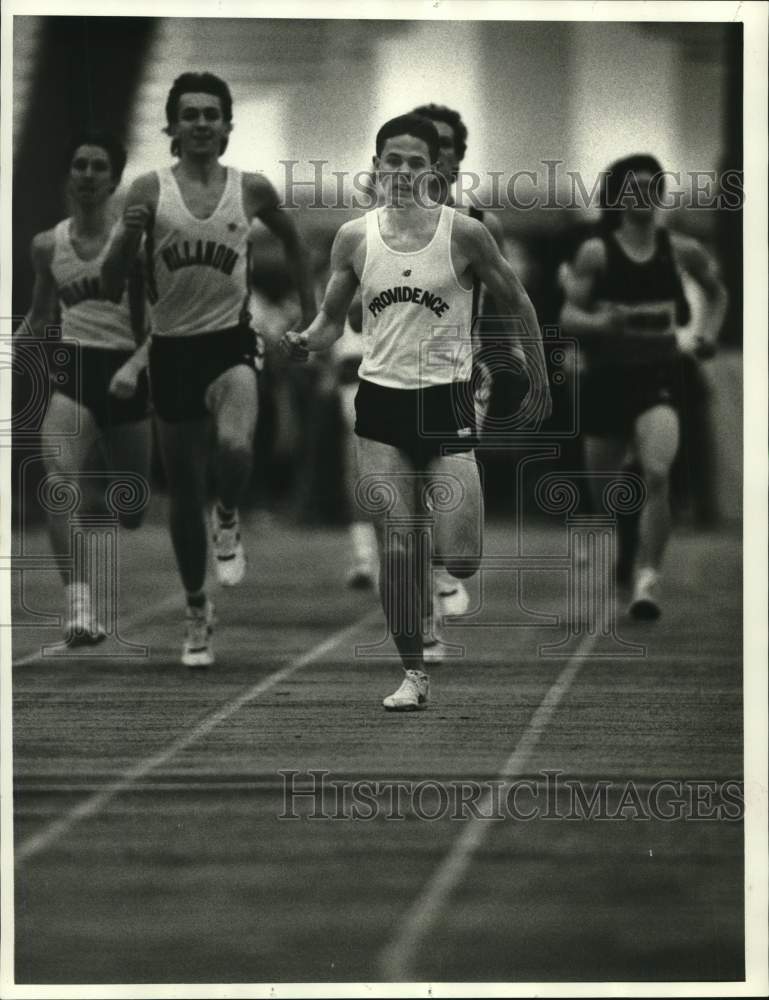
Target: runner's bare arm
<point>513,252</point>
<point>126,378</point>
<point>693,258</point>
<point>44,308</point>
<point>263,203</point>
<point>581,315</point>
<point>488,264</point>
<point>494,226</point>
<point>328,325</point>
<point>140,206</point>
<point>137,303</point>
<point>355,313</point>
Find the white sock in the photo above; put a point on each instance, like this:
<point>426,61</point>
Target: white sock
<point>646,576</point>
<point>363,541</point>
<point>77,594</point>
<point>443,581</point>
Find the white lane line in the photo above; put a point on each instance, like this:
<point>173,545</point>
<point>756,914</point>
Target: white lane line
<point>396,961</point>
<point>90,807</point>
<point>140,618</point>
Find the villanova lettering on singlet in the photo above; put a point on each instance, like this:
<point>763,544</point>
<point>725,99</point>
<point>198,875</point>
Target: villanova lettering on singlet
<point>206,253</point>
<point>79,291</point>
<point>407,293</point>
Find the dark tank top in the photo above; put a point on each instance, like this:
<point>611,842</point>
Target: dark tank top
<point>626,282</point>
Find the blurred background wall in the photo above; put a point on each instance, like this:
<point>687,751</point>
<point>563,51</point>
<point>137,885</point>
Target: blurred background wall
<point>581,93</point>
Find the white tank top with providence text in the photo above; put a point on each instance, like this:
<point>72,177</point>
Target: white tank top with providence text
<point>197,268</point>
<point>416,315</point>
<point>85,316</point>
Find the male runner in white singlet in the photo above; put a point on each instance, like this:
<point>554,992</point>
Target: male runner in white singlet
<point>108,403</point>
<point>449,595</point>
<point>204,356</point>
<point>415,261</point>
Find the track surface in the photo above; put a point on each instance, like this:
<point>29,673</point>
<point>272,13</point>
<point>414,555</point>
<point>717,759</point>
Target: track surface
<point>177,868</point>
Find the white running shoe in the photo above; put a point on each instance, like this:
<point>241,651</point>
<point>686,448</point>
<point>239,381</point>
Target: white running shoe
<point>81,627</point>
<point>77,633</point>
<point>645,604</point>
<point>228,550</point>
<point>198,649</point>
<point>411,696</point>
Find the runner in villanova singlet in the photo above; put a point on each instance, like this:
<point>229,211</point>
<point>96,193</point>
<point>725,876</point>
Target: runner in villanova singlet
<point>204,355</point>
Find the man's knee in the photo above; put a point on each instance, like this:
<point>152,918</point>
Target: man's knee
<point>62,467</point>
<point>56,472</point>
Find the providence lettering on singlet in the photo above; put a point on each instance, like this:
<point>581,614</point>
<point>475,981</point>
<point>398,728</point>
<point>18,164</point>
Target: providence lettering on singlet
<point>407,293</point>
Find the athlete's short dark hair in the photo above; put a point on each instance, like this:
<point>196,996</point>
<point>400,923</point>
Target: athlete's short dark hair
<point>110,143</point>
<point>440,113</point>
<point>416,125</point>
<point>197,83</point>
<point>615,180</point>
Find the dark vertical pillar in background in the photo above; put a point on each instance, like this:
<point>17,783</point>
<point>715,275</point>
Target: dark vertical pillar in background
<point>730,222</point>
<point>87,74</point>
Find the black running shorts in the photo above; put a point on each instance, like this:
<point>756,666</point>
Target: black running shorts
<point>182,368</point>
<point>611,400</point>
<point>84,375</point>
<point>422,423</point>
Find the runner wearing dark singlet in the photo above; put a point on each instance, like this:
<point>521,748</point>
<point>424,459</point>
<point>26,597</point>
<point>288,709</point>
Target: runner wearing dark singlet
<point>625,301</point>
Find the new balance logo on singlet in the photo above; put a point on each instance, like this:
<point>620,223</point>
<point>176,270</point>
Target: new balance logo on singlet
<point>200,253</point>
<point>407,293</point>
